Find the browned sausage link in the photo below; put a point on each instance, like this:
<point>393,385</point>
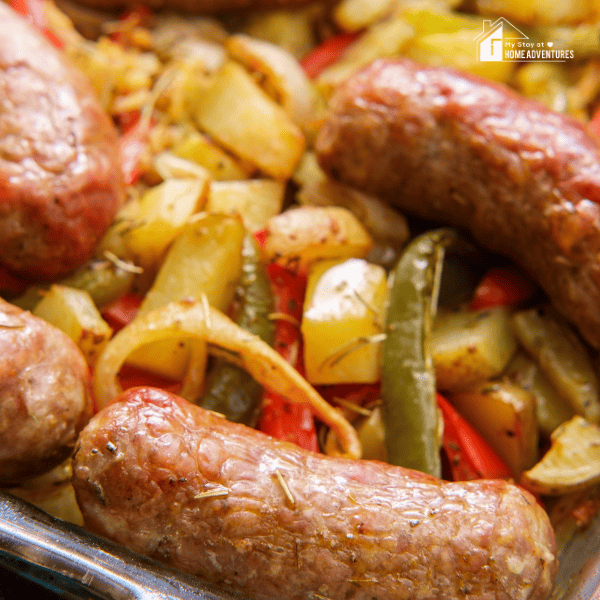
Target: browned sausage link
<point>239,508</point>
<point>60,175</point>
<point>453,148</point>
<point>45,397</point>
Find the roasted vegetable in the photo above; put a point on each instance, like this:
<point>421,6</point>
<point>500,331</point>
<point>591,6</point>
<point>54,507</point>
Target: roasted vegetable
<point>470,346</point>
<point>230,390</point>
<point>571,464</point>
<point>74,312</point>
<point>552,408</point>
<point>235,111</point>
<point>160,215</point>
<point>562,357</point>
<point>299,236</point>
<point>209,245</point>
<point>198,320</point>
<point>342,320</point>
<point>505,414</point>
<point>407,376</point>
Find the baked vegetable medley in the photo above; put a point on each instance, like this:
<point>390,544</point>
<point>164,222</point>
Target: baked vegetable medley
<point>303,298</point>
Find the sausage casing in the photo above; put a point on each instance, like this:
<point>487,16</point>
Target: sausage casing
<point>45,395</point>
<point>242,509</point>
<point>61,180</point>
<point>449,147</point>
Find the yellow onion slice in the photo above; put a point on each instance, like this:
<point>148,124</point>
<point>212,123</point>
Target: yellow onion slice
<point>198,320</point>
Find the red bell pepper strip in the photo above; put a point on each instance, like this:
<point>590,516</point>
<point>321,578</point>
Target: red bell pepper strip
<point>121,311</point>
<point>280,418</point>
<point>133,145</point>
<point>502,286</point>
<point>327,53</point>
<point>469,454</point>
<point>34,12</point>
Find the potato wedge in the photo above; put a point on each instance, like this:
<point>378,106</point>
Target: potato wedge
<point>292,29</point>
<point>344,308</point>
<point>254,200</point>
<point>282,77</point>
<point>212,244</point>
<point>354,15</point>
<point>161,214</point>
<point>552,408</point>
<point>169,165</point>
<point>200,149</point>
<point>536,12</point>
<point>454,49</point>
<point>505,415</point>
<point>237,113</point>
<point>571,464</point>
<point>384,223</point>
<point>562,357</point>
<point>74,312</point>
<point>300,236</point>
<point>470,346</point>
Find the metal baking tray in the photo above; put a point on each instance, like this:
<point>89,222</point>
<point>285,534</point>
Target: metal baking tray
<point>63,560</point>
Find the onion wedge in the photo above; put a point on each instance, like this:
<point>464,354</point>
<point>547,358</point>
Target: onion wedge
<point>197,319</point>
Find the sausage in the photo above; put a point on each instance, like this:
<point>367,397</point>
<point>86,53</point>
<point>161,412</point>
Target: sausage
<point>45,395</point>
<point>60,176</point>
<point>250,512</point>
<point>452,148</point>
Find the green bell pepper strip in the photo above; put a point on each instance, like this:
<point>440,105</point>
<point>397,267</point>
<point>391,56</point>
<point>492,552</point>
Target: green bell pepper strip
<point>230,390</point>
<point>411,416</point>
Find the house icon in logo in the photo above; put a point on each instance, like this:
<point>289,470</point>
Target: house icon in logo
<point>491,41</point>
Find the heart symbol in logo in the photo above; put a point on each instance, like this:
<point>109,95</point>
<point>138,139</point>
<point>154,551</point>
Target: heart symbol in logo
<point>550,44</point>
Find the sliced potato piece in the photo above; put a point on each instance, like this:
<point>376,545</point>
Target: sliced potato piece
<point>282,77</point>
<point>537,12</point>
<point>200,149</point>
<point>254,200</point>
<point>562,357</point>
<point>384,223</point>
<point>371,434</point>
<point>469,346</point>
<point>354,15</point>
<point>53,493</point>
<point>74,312</point>
<point>210,245</point>
<point>455,49</point>
<point>292,29</point>
<point>169,165</point>
<point>237,113</point>
<point>344,308</point>
<point>161,214</point>
<point>552,408</point>
<point>300,236</point>
<point>505,414</point>
<point>571,464</point>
